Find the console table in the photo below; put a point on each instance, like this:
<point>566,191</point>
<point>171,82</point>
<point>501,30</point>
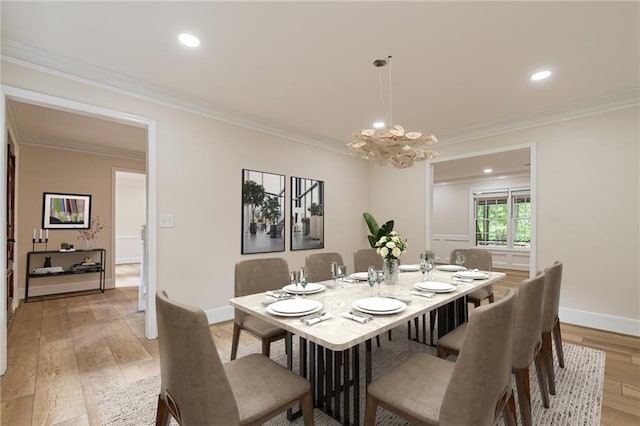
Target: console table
<point>68,260</point>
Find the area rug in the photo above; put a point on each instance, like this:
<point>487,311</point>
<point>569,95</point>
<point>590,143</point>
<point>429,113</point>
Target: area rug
<point>578,399</point>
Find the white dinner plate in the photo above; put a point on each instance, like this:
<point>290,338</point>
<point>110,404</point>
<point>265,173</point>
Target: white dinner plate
<point>378,304</point>
<point>450,268</point>
<point>295,306</point>
<point>360,276</point>
<point>310,289</point>
<point>297,314</point>
<point>409,268</point>
<point>474,275</point>
<point>401,307</point>
<point>436,287</point>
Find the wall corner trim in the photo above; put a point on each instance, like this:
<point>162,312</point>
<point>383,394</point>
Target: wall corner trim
<point>600,321</point>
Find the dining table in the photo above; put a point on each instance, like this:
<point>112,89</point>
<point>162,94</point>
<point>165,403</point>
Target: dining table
<point>330,350</point>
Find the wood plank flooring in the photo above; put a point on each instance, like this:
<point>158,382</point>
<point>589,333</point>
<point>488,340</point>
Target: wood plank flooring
<point>63,351</point>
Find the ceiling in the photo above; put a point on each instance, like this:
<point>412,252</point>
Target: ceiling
<point>515,162</point>
<point>303,69</point>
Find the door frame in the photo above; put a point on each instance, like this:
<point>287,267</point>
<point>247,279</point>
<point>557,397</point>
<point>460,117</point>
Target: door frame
<point>26,96</point>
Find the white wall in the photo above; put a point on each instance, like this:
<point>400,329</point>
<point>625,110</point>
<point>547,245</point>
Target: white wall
<point>130,216</point>
<point>199,181</point>
<point>587,210</point>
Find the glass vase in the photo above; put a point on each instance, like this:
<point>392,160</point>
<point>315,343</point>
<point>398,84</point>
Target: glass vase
<point>390,268</point>
<point>88,244</point>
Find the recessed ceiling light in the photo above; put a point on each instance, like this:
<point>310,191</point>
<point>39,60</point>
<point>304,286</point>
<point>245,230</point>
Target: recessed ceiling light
<point>488,170</point>
<point>540,75</point>
<point>378,125</point>
<point>189,40</point>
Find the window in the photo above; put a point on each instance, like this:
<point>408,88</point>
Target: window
<point>503,218</point>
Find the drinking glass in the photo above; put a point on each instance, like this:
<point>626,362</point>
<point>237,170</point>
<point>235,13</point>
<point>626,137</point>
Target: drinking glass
<point>342,273</point>
<point>460,259</point>
<point>334,274</point>
<point>429,267</point>
<point>372,277</point>
<point>303,279</point>
<point>294,278</point>
<point>423,264</point>
<point>380,280</point>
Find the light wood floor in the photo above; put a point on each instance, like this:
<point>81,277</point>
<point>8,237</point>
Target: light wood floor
<point>61,352</point>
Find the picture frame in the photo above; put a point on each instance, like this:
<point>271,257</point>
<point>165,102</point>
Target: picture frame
<point>263,212</point>
<point>307,213</point>
<point>66,211</point>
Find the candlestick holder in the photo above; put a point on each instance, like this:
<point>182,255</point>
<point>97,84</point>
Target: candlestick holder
<point>35,241</point>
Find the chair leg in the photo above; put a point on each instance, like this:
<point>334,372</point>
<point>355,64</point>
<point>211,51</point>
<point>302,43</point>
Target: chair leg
<point>491,298</point>
<point>378,340</point>
<point>162,415</point>
<point>441,353</point>
<point>557,339</point>
<point>509,411</point>
<point>432,325</point>
<point>542,377</point>
<point>306,403</point>
<point>266,347</point>
<point>476,303</point>
<point>370,410</point>
<point>548,361</point>
<point>235,340</point>
<point>524,394</point>
<point>389,334</point>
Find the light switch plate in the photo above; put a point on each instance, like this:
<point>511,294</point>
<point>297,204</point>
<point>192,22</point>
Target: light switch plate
<point>167,221</point>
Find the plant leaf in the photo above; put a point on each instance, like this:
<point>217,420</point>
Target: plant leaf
<point>371,223</point>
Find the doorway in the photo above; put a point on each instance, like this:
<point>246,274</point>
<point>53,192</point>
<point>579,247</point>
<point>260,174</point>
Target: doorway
<point>130,205</point>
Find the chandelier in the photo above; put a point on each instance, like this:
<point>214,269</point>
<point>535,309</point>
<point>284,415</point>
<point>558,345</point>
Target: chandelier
<point>391,143</point>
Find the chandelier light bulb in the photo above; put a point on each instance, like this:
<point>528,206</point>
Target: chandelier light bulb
<point>379,125</point>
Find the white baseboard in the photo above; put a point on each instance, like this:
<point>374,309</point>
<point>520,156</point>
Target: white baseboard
<point>219,314</point>
<point>44,290</point>
<point>125,260</point>
<point>606,322</point>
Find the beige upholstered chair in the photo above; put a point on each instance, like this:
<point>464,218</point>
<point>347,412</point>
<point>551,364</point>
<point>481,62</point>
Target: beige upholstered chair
<point>319,265</point>
<point>476,259</point>
<point>256,276</point>
<point>551,322</point>
<point>197,389</point>
<point>527,343</point>
<point>363,258</point>
<point>473,391</point>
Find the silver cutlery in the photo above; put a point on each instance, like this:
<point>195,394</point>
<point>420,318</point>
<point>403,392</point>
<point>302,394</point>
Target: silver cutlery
<point>426,294</point>
<point>406,301</point>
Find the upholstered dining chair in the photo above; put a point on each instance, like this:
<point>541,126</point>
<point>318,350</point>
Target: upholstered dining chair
<point>197,389</point>
<point>319,265</point>
<point>256,276</point>
<point>476,259</point>
<point>472,391</point>
<point>363,258</point>
<point>527,343</point>
<point>551,322</point>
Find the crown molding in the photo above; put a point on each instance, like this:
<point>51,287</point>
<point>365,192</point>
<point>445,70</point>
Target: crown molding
<point>71,69</point>
<point>85,149</point>
<point>629,99</point>
<point>68,68</point>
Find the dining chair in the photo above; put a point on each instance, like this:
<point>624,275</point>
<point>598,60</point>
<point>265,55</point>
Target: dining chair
<point>197,389</point>
<point>475,390</point>
<point>363,258</point>
<point>527,343</point>
<point>476,259</point>
<point>257,276</point>
<point>319,265</point>
<point>551,322</point>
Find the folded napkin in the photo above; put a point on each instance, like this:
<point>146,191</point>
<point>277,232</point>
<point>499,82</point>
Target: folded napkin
<point>278,294</point>
<point>361,318</point>
<point>422,293</point>
<point>316,318</point>
<point>403,300</point>
<point>463,280</point>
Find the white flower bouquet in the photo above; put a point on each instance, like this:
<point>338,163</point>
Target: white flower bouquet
<point>391,246</point>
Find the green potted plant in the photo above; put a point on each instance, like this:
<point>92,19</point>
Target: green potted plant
<point>305,225</point>
<point>252,196</point>
<point>271,212</point>
<point>377,232</point>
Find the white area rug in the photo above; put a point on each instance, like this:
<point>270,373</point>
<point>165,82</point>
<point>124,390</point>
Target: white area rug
<point>578,398</point>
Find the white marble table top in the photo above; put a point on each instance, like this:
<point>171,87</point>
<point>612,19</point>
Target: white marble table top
<point>339,333</point>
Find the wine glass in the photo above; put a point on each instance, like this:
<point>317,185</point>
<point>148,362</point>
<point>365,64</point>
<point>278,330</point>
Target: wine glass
<point>380,280</point>
<point>372,277</point>
<point>429,267</point>
<point>294,278</point>
<point>303,279</point>
<point>342,273</point>
<point>423,264</point>
<point>334,274</point>
<point>460,260</point>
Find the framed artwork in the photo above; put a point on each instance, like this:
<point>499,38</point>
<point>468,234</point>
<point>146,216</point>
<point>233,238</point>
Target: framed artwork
<point>263,217</point>
<point>66,211</point>
<point>307,214</point>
